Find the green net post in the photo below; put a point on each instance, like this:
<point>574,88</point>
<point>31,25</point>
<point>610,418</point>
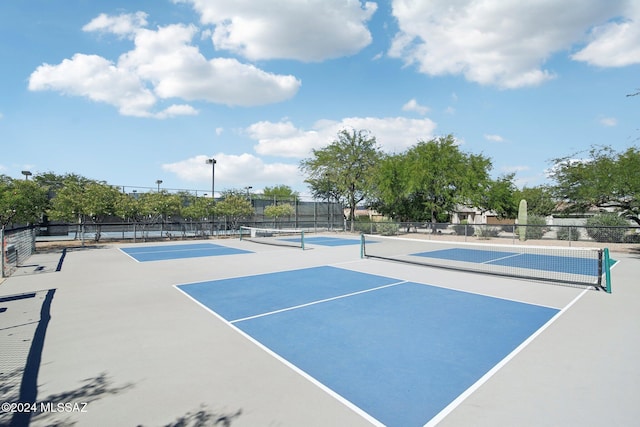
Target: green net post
<point>607,270</point>
<point>302,239</point>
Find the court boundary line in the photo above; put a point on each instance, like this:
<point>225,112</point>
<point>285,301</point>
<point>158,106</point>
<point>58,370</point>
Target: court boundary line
<point>295,307</point>
<point>130,256</point>
<point>341,399</point>
<point>490,373</point>
<point>211,246</point>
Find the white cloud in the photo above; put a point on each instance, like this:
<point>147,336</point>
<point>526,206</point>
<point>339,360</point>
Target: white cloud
<point>394,134</point>
<point>493,138</point>
<point>609,121</point>
<point>234,171</point>
<point>615,43</point>
<point>412,105</point>
<point>98,79</point>
<point>122,25</point>
<point>313,30</point>
<point>502,43</point>
<point>164,65</point>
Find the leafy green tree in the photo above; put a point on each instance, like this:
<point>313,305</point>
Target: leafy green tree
<point>345,167</point>
<point>540,200</point>
<point>498,197</point>
<point>279,211</point>
<point>69,201</point>
<point>443,177</point>
<point>279,192</point>
<point>21,201</point>
<point>234,208</point>
<point>83,200</point>
<point>101,203</point>
<point>198,208</point>
<point>605,179</point>
<point>391,194</point>
<point>157,207</point>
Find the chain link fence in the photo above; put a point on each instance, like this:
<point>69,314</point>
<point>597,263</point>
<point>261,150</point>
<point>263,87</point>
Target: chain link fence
<point>17,246</point>
<point>569,235</point>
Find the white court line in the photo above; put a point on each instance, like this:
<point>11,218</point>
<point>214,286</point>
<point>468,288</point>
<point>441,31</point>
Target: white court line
<point>453,405</point>
<point>295,307</point>
<point>501,258</point>
<point>353,407</point>
<point>129,255</point>
<point>213,247</point>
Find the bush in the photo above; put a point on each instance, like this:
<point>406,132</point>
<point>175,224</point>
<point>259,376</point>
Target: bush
<point>535,228</point>
<point>607,227</point>
<point>464,229</point>
<point>366,227</point>
<point>387,228</point>
<point>568,233</point>
<point>632,238</point>
<point>487,232</point>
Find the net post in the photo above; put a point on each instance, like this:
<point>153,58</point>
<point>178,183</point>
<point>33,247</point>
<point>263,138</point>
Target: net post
<point>302,239</point>
<point>362,245</point>
<point>607,270</point>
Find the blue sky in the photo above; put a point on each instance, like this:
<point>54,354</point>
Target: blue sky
<point>129,92</point>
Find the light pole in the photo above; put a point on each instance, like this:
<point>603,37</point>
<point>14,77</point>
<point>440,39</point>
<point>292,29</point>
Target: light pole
<point>158,181</point>
<point>212,162</point>
<point>26,174</point>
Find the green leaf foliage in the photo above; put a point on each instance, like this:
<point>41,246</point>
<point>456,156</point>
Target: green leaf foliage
<point>444,177</point>
<point>21,201</point>
<point>604,179</point>
<point>345,168</point>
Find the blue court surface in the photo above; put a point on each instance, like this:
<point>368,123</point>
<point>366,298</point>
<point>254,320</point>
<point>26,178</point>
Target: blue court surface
<point>560,264</point>
<point>165,252</point>
<point>399,351</point>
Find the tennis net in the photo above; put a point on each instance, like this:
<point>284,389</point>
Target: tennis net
<point>273,236</point>
<point>570,265</point>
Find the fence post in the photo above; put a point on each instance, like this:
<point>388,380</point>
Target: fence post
<point>4,249</point>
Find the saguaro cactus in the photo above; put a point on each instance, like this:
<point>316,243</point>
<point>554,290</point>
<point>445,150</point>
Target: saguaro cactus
<point>522,220</point>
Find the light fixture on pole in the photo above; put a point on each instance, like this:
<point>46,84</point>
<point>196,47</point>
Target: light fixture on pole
<point>158,181</point>
<point>26,174</point>
<point>212,162</point>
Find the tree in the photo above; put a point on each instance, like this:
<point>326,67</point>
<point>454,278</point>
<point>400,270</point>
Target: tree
<point>197,208</point>
<point>21,201</point>
<point>345,167</point>
<point>499,197</point>
<point>157,207</point>
<point>539,199</point>
<point>234,208</point>
<point>605,179</point>
<point>392,196</point>
<point>443,177</point>
<point>279,192</point>
<point>279,211</point>
<point>68,203</point>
